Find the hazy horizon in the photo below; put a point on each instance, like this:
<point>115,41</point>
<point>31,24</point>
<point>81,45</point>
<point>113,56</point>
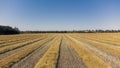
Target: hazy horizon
<point>60,14</point>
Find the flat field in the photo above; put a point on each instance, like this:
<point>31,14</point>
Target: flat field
<point>60,50</point>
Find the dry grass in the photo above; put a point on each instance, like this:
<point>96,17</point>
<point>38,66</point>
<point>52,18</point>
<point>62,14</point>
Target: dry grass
<point>11,47</point>
<point>49,59</point>
<point>17,41</point>
<point>109,38</point>
<point>7,61</point>
<point>10,38</point>
<point>100,48</point>
<point>103,46</point>
<point>90,59</point>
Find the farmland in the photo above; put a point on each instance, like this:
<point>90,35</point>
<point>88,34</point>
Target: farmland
<point>60,50</point>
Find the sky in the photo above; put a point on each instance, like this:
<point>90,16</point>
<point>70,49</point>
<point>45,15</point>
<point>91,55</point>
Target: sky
<point>60,14</point>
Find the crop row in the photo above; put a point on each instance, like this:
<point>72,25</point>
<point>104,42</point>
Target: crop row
<point>109,39</point>
<point>14,38</point>
<point>18,41</point>
<point>90,59</point>
<point>104,47</point>
<point>8,48</point>
<point>7,61</point>
<point>49,59</point>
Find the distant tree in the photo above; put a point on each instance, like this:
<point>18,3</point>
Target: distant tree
<point>8,30</point>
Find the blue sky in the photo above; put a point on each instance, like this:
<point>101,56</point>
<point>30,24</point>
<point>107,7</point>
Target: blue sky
<point>60,14</point>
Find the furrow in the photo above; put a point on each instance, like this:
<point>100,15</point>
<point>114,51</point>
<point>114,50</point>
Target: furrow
<point>49,59</point>
<point>68,57</point>
<point>6,54</point>
<point>30,60</point>
<point>9,48</point>
<point>107,57</point>
<point>89,58</point>
<point>10,60</point>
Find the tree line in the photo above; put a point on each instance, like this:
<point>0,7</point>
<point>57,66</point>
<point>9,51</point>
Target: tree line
<point>4,30</point>
<point>74,31</point>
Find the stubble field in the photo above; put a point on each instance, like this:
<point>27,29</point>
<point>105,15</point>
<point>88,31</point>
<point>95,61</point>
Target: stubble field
<point>60,50</point>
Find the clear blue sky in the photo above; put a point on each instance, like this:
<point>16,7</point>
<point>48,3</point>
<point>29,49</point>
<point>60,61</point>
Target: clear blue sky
<point>60,14</point>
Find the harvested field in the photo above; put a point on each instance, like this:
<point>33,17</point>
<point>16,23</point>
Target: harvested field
<point>70,50</point>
